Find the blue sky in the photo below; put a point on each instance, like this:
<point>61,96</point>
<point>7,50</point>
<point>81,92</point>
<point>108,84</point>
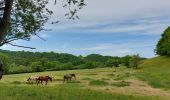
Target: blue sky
<point>107,27</point>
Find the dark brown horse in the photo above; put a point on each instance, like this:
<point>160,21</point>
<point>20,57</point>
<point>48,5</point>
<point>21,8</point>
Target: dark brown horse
<point>68,77</point>
<point>44,78</point>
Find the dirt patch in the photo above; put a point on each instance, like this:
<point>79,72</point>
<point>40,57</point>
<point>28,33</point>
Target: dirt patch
<point>136,87</point>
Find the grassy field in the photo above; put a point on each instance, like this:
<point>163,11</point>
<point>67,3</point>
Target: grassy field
<point>156,72</point>
<point>93,84</point>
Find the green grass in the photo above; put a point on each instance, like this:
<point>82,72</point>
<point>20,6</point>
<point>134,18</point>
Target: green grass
<point>156,72</point>
<point>98,83</point>
<point>93,84</point>
<point>61,93</point>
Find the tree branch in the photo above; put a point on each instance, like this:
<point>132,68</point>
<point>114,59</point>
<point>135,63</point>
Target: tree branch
<point>20,46</point>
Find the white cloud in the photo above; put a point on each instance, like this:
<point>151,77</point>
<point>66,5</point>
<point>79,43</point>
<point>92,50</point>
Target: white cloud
<point>111,49</point>
<point>151,17</point>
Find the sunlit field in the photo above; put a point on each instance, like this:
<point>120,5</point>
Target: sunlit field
<point>90,84</point>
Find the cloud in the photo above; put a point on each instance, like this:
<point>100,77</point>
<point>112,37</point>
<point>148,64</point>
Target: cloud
<point>116,16</point>
<point>112,49</point>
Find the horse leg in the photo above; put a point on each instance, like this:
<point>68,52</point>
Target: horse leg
<point>38,82</point>
<point>46,82</point>
<point>41,82</point>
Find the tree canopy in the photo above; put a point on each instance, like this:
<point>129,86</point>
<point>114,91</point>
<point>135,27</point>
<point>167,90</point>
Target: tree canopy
<point>25,61</point>
<point>21,19</point>
<point>163,46</point>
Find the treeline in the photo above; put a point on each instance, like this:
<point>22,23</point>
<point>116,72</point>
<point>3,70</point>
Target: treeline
<point>25,62</point>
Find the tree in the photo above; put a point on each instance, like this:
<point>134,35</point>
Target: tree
<point>163,46</point>
<point>37,66</point>
<point>125,60</point>
<point>112,62</point>
<point>3,62</point>
<point>21,19</point>
<point>134,61</point>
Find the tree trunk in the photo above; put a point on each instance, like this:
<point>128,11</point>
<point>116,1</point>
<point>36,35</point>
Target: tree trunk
<point>1,69</point>
<point>4,26</point>
<point>5,20</point>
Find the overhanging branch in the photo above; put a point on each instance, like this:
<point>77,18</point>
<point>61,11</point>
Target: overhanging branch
<point>21,46</point>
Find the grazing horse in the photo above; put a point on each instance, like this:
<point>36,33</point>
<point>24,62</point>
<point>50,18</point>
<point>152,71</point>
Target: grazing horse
<point>31,79</point>
<point>68,77</point>
<point>44,78</point>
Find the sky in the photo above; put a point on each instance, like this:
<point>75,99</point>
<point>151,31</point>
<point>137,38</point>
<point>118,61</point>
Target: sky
<point>106,27</point>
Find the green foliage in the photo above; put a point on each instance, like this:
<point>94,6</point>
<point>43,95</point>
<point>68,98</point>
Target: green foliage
<point>13,69</point>
<point>112,62</point>
<point>163,46</point>
<point>95,58</point>
<point>125,60</point>
<point>28,17</point>
<point>37,66</point>
<point>135,61</point>
<point>24,61</point>
<point>4,59</point>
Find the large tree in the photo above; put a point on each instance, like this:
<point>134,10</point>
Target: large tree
<point>163,46</point>
<point>22,19</point>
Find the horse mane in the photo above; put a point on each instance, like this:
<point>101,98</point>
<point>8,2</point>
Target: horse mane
<point>73,75</point>
<point>49,77</point>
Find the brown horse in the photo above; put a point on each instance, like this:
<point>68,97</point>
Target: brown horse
<point>44,78</point>
<point>68,77</point>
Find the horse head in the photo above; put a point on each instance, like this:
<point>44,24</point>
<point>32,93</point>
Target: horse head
<point>73,75</point>
<point>50,78</point>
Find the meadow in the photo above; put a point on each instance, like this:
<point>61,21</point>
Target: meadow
<point>90,84</point>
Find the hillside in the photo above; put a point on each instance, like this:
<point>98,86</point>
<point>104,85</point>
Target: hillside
<point>159,62</point>
<point>156,72</point>
<point>26,62</point>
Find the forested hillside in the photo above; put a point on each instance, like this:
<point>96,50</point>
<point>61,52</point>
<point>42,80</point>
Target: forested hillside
<point>24,61</point>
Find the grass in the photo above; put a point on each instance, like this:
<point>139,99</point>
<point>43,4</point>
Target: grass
<point>98,83</point>
<point>61,93</point>
<point>156,72</point>
<point>86,78</point>
<point>121,84</point>
<point>93,84</point>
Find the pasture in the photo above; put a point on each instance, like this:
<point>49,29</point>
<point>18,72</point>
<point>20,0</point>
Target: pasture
<point>90,84</point>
